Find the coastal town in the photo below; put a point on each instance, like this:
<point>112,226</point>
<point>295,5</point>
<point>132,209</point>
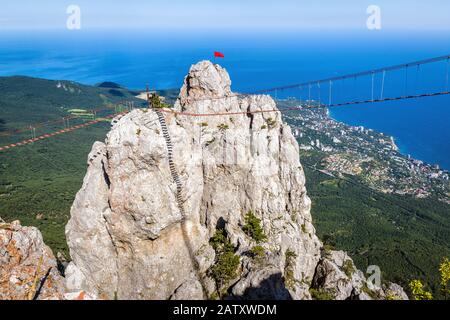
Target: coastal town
<point>338,149</point>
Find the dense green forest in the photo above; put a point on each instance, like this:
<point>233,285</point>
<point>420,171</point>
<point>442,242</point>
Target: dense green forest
<point>406,237</point>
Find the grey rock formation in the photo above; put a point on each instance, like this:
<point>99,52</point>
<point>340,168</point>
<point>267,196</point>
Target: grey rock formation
<point>161,185</point>
<point>337,277</point>
<point>88,234</point>
<point>394,291</point>
<point>28,268</point>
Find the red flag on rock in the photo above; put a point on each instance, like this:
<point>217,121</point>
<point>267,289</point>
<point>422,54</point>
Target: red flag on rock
<point>218,54</point>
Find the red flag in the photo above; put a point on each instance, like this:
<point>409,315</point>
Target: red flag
<point>218,54</point>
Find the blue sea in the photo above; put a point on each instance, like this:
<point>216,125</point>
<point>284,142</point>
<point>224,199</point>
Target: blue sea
<point>255,60</point>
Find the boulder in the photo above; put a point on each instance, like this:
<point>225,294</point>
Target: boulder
<point>337,278</point>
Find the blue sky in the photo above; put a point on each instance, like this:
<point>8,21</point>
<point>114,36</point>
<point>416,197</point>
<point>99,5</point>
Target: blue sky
<point>226,14</point>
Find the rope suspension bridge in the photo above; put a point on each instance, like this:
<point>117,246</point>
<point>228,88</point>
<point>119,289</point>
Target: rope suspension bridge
<point>413,80</point>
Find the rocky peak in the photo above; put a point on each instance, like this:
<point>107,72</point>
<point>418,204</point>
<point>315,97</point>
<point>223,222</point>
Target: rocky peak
<point>182,207</point>
<point>205,80</point>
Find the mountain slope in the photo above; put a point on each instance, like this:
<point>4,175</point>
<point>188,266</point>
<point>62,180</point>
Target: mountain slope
<point>38,181</point>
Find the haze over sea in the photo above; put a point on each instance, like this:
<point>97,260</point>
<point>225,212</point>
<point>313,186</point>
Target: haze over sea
<point>255,61</point>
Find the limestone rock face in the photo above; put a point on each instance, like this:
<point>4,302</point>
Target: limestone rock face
<point>28,268</point>
<point>88,233</point>
<point>162,184</point>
